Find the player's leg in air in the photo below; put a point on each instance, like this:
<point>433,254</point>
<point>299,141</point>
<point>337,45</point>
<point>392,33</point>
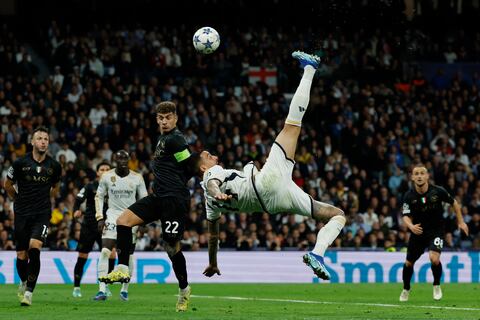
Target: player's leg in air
<point>287,139</point>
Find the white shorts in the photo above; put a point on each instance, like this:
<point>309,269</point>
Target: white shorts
<point>276,188</point>
<point>110,230</point>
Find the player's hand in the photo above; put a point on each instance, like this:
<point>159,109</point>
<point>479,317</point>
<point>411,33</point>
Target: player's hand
<point>463,226</point>
<point>223,197</point>
<point>77,214</point>
<point>101,225</point>
<point>211,270</point>
<point>416,229</point>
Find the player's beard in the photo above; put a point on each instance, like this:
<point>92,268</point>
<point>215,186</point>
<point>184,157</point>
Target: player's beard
<point>419,185</point>
<point>41,152</point>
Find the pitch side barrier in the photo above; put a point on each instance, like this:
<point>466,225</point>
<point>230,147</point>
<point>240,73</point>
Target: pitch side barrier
<point>257,267</point>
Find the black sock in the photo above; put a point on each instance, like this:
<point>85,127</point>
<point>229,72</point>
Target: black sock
<point>180,267</point>
<point>124,243</point>
<point>437,273</point>
<point>33,268</point>
<point>22,269</point>
<point>407,276</point>
<point>78,271</point>
<point>111,264</point>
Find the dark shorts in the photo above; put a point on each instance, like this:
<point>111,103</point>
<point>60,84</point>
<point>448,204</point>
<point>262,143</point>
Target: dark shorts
<point>30,227</point>
<point>88,235</point>
<point>172,213</point>
<point>431,240</point>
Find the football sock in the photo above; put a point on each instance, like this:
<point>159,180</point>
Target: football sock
<point>22,269</point>
<point>328,234</point>
<point>102,268</point>
<point>33,268</point>
<point>78,271</point>
<point>180,267</point>
<point>300,99</point>
<point>124,243</point>
<point>407,276</point>
<point>130,270</point>
<point>111,264</point>
<point>437,273</point>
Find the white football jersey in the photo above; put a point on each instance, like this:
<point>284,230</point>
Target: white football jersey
<point>122,192</point>
<point>236,183</point>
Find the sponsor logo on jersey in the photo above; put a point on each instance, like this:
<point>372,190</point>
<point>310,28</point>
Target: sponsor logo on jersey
<point>406,208</point>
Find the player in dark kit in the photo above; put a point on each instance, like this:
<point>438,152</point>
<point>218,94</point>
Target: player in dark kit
<point>89,233</point>
<point>36,176</point>
<point>170,202</point>
<point>423,215</point>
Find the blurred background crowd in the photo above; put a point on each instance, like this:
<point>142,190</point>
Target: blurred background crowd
<point>374,110</point>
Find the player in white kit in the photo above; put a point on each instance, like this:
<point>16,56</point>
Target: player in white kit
<point>123,187</point>
<point>271,189</point>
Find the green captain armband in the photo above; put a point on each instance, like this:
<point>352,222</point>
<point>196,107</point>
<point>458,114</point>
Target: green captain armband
<point>182,155</point>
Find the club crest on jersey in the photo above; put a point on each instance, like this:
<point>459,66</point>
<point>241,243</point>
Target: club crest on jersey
<point>49,171</point>
<point>113,179</point>
<point>424,200</point>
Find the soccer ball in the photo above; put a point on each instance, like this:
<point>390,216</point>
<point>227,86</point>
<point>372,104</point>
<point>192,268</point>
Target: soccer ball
<point>206,40</point>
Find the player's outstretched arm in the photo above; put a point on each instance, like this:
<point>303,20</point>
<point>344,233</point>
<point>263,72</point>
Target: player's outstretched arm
<point>213,229</point>
<point>213,190</point>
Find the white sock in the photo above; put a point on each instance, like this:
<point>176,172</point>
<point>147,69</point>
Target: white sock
<point>300,99</point>
<point>102,268</point>
<point>130,270</point>
<point>327,234</point>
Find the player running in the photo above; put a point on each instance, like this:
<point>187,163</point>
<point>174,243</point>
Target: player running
<point>89,233</point>
<point>271,189</point>
<point>123,187</point>
<point>36,176</point>
<point>423,215</point>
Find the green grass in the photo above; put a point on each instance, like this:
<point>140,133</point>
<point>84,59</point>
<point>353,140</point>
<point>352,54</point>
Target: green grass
<point>256,301</point>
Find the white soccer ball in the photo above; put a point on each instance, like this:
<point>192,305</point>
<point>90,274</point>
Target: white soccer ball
<point>206,40</point>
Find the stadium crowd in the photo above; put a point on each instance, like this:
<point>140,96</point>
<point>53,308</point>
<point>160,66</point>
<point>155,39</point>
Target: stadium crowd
<point>368,121</point>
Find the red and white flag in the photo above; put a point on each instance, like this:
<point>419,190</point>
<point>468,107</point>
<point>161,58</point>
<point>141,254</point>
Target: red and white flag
<point>266,75</point>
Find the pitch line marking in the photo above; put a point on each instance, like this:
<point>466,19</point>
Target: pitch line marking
<point>385,305</point>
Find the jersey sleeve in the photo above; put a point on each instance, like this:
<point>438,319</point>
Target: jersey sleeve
<point>215,173</point>
<point>445,196</point>
<point>102,191</point>
<point>407,204</point>
<point>14,171</point>
<point>178,147</point>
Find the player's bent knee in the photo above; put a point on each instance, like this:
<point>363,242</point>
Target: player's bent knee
<point>409,263</point>
<point>105,253</point>
<point>83,255</point>
<point>172,247</point>
<point>22,255</point>
<point>340,218</point>
<point>339,212</point>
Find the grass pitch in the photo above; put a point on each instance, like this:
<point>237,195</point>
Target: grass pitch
<point>248,301</point>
